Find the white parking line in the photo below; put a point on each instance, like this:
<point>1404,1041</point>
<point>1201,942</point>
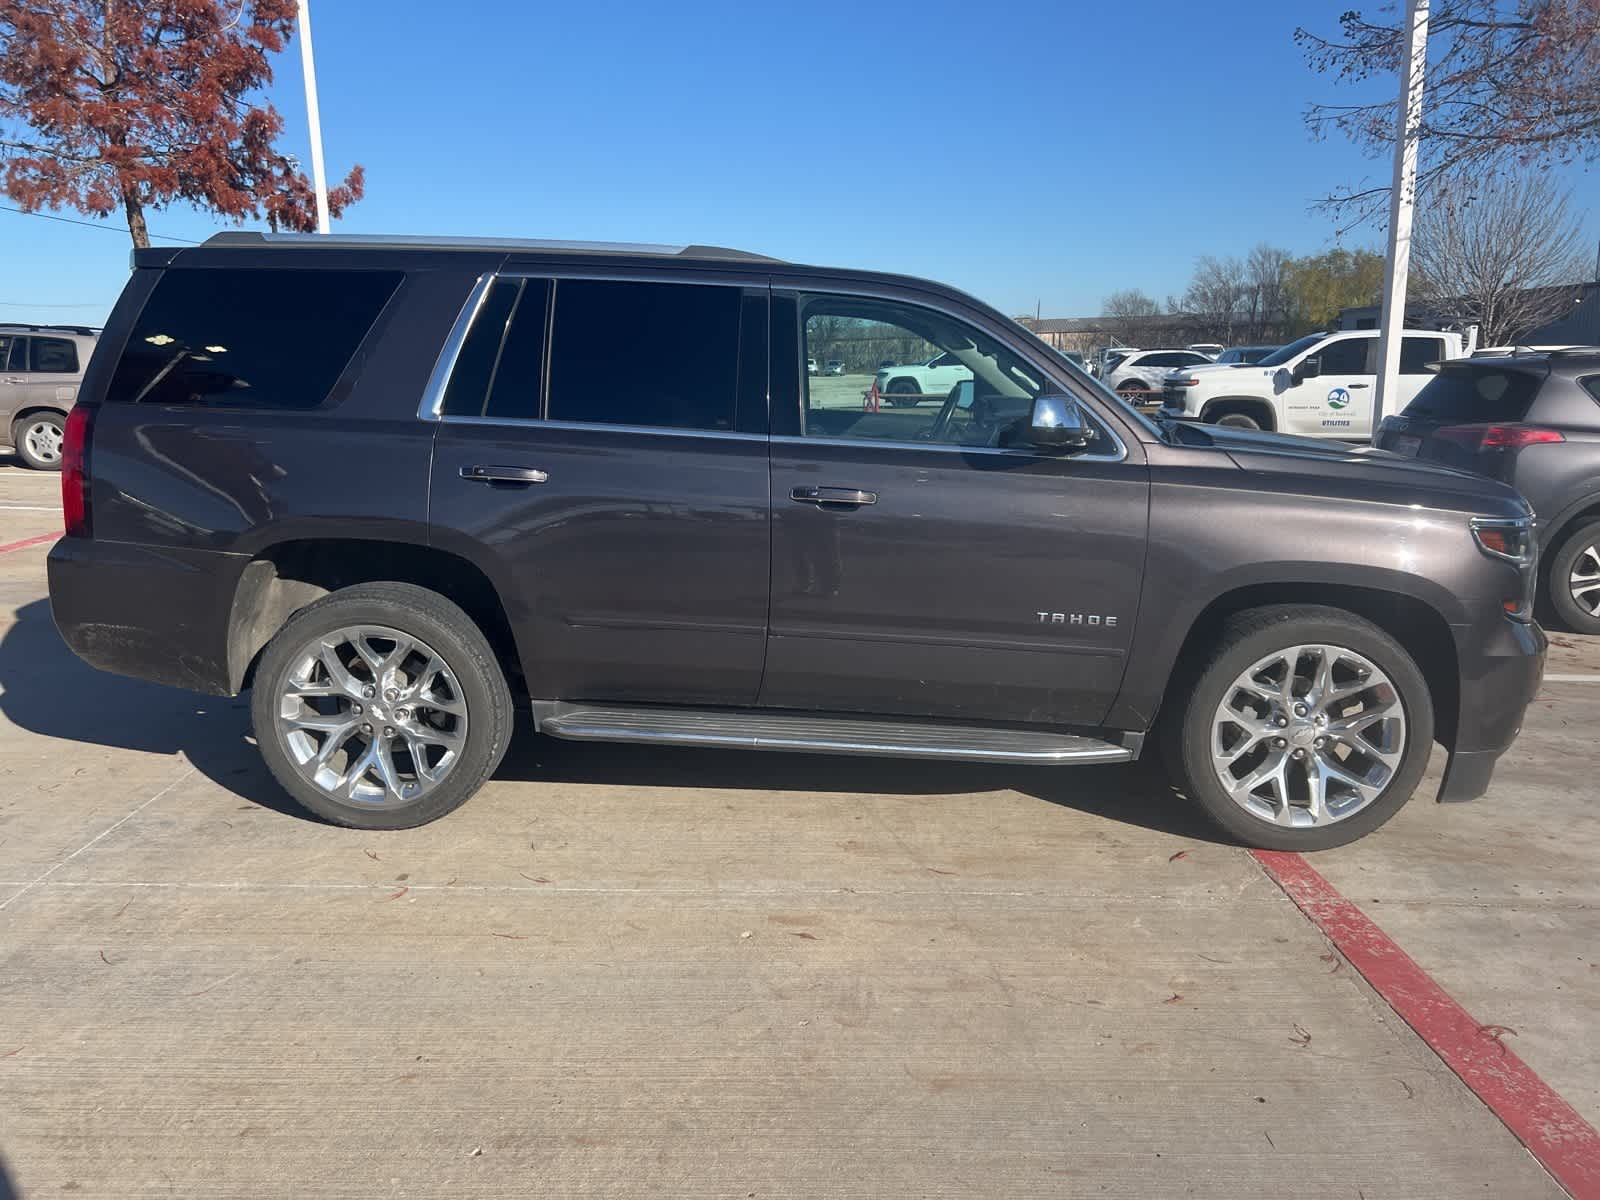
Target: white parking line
<point>188,772</point>
<point>31,507</point>
<point>1572,678</point>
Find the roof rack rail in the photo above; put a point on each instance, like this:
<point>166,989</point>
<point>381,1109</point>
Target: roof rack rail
<point>50,327</point>
<point>419,242</point>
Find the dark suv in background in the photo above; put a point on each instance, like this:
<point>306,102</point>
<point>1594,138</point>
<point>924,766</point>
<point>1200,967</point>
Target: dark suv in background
<point>405,489</point>
<point>1531,420</point>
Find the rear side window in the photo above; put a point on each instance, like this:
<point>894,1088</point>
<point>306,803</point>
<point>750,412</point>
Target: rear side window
<point>55,355</point>
<point>1417,352</point>
<point>499,372</point>
<point>1592,386</point>
<point>656,354</point>
<point>248,338</point>
<point>1476,397</point>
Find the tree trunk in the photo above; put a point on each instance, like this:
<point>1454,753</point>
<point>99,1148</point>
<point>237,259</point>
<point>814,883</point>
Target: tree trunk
<point>134,208</point>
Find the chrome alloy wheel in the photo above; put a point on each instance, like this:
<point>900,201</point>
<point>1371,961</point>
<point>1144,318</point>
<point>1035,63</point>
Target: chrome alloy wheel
<point>1584,581</point>
<point>1308,736</point>
<point>43,439</point>
<point>372,716</point>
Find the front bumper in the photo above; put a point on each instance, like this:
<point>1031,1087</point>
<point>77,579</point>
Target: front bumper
<point>1500,674</point>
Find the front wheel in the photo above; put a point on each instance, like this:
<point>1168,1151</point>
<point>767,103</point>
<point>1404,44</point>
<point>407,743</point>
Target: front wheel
<point>381,706</point>
<point>1306,728</point>
<point>38,438</point>
<point>1238,420</point>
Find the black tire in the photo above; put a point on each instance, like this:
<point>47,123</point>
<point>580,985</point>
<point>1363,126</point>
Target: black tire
<point>452,634</point>
<point>903,392</point>
<point>19,439</point>
<point>1246,639</point>
<point>1558,575</point>
<point>1236,420</point>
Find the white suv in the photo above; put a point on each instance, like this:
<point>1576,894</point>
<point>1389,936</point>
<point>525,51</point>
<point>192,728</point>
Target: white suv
<point>41,367</point>
<point>1319,386</point>
<point>1138,376</point>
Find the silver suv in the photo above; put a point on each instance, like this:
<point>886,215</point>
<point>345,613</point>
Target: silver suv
<point>41,367</point>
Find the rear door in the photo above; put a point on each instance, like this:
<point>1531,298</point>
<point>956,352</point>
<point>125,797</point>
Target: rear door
<point>47,374</point>
<point>603,441</point>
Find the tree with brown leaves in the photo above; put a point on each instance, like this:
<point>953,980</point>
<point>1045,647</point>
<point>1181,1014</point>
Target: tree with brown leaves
<point>135,104</point>
<point>1511,84</point>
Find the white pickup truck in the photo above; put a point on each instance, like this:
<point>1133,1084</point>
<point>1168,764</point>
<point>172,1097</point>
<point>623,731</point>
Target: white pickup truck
<point>1320,386</point>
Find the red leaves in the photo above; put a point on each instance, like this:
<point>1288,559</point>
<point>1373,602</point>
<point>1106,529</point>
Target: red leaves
<point>128,106</point>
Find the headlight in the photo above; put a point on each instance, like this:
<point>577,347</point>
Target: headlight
<point>1510,539</point>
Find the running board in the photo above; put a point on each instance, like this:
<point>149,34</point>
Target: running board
<point>760,729</point>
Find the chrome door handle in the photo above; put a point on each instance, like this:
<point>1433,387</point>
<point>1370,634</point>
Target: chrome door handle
<point>504,474</point>
<point>853,497</point>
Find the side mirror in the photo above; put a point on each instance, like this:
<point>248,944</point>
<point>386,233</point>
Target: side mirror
<point>1309,368</point>
<point>1057,424</point>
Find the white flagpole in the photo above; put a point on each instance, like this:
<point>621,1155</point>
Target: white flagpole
<point>1402,202</point>
<point>318,179</point>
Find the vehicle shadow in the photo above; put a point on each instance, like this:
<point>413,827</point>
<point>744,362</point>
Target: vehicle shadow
<point>46,689</point>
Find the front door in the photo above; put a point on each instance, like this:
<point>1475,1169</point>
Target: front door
<point>1338,402</point>
<point>616,476</point>
<point>925,561</point>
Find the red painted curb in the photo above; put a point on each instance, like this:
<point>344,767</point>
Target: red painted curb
<point>26,542</point>
<point>1566,1144</point>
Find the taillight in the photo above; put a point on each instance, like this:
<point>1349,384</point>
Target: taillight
<point>75,472</point>
<point>1498,437</point>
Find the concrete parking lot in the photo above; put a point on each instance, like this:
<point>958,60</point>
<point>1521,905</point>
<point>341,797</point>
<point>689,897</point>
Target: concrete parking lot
<point>631,972</point>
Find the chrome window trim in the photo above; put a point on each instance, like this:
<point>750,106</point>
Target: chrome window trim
<point>727,435</point>
<point>947,447</point>
<point>445,364</point>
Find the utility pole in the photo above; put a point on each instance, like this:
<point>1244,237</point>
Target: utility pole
<point>1402,202</point>
<point>318,179</point>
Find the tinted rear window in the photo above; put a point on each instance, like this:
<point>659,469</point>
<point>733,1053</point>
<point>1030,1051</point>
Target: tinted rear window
<point>250,338</point>
<point>660,354</point>
<point>1475,397</point>
<point>53,355</point>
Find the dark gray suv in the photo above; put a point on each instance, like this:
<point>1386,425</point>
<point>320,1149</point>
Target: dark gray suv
<point>405,490</point>
<point>1531,420</point>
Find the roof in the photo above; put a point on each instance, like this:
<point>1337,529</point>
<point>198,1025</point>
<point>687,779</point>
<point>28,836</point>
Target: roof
<point>397,241</point>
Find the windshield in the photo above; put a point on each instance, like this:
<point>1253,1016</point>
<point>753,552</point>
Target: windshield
<point>1282,355</point>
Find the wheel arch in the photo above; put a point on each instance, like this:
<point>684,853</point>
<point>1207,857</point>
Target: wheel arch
<point>1418,626</point>
<point>1266,416</point>
<point>284,577</point>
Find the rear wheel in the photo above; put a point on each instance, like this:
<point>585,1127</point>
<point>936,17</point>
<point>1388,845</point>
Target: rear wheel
<point>38,437</point>
<point>1307,728</point>
<point>1572,580</point>
<point>381,706</point>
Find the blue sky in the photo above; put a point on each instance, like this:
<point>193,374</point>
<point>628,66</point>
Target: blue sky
<point>1032,153</point>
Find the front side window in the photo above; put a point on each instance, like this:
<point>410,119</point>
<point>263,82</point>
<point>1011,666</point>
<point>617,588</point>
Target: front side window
<point>960,387</point>
<point>7,344</point>
<point>239,337</point>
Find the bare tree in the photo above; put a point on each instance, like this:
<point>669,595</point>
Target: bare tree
<point>1500,254</point>
<point>1128,310</point>
<point>1267,277</point>
<point>1511,84</point>
<point>1217,296</point>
